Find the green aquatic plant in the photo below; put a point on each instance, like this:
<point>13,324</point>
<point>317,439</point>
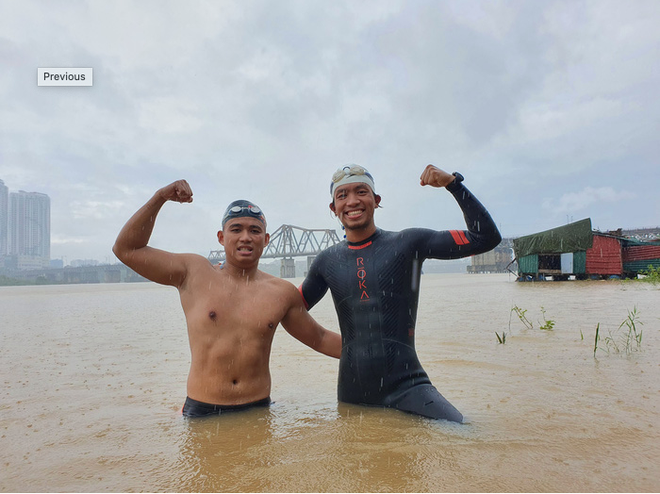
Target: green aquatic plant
<point>521,315</point>
<point>651,275</point>
<point>626,338</point>
<point>596,339</point>
<point>610,344</point>
<point>501,339</point>
<point>633,336</point>
<point>548,324</point>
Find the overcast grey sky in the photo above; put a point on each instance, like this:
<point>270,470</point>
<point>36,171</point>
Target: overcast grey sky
<point>550,109</point>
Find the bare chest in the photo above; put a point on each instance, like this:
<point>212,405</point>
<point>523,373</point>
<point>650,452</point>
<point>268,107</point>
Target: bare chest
<point>246,309</point>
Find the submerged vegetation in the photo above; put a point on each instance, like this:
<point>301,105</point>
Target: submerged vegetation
<point>627,338</point>
<point>521,315</point>
<point>546,325</point>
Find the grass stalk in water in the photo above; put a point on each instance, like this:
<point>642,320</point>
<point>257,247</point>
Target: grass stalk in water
<point>596,338</point>
<point>633,337</point>
<point>626,339</point>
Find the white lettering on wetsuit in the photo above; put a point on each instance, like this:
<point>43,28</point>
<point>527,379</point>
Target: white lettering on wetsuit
<point>362,282</point>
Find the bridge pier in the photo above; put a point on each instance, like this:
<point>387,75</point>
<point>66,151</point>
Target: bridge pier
<point>288,268</point>
<point>310,260</point>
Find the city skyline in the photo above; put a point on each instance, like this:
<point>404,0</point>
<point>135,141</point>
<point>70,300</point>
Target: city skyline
<point>24,229</point>
<point>4,219</point>
<point>90,260</point>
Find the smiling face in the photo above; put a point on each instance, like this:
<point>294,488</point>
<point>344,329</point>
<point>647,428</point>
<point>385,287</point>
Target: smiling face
<point>244,240</point>
<point>354,205</point>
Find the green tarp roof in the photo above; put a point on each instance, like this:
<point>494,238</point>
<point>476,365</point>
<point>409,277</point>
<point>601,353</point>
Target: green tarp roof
<point>573,237</point>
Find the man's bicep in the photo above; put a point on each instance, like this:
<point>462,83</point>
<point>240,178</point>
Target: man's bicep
<point>454,244</point>
<point>432,244</point>
<point>157,265</point>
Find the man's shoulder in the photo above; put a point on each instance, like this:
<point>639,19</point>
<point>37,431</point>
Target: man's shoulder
<point>195,260</point>
<point>327,254</point>
<point>275,283</point>
<point>414,232</point>
<point>397,236</point>
<point>408,238</point>
<point>279,288</point>
<point>333,250</point>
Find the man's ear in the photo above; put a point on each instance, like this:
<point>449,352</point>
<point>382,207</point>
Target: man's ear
<point>267,239</point>
<point>332,207</point>
<point>377,197</point>
<point>221,238</point>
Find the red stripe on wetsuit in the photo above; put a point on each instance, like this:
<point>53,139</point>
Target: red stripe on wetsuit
<point>459,237</point>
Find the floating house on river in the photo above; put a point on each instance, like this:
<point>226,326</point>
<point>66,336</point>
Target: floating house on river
<point>576,251</point>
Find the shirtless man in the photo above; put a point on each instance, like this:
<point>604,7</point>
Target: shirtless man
<point>231,310</point>
<point>374,278</point>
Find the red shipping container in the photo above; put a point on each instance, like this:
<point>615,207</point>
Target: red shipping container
<point>641,253</point>
<point>605,256</point>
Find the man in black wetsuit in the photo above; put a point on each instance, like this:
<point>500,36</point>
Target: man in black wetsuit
<point>374,280</point>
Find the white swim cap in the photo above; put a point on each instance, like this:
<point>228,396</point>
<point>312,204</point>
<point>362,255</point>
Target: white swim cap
<point>351,174</point>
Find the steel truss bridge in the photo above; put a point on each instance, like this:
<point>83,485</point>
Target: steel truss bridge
<point>290,241</point>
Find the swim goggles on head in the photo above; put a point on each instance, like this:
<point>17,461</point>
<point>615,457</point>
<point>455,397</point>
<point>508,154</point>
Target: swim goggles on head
<point>256,210</point>
<point>347,171</point>
<point>351,174</point>
<point>245,209</point>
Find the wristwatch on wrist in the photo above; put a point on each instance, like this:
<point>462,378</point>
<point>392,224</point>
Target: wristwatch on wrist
<point>458,178</point>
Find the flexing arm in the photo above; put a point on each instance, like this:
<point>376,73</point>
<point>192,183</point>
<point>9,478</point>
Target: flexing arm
<point>131,245</point>
<point>482,234</point>
<point>304,328</point>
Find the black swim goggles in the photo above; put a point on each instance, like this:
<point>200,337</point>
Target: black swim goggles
<point>245,210</point>
<point>256,210</point>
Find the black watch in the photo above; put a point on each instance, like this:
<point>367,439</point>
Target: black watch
<point>458,178</point>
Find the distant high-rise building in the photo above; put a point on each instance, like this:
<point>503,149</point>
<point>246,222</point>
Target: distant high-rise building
<point>4,217</point>
<point>29,230</point>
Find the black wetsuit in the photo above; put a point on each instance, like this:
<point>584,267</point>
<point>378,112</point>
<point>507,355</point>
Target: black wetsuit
<point>375,288</point>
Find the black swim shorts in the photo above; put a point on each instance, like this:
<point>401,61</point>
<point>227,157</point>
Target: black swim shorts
<point>194,408</point>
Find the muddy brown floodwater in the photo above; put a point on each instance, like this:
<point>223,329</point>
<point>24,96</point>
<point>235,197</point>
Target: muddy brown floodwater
<point>94,377</point>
